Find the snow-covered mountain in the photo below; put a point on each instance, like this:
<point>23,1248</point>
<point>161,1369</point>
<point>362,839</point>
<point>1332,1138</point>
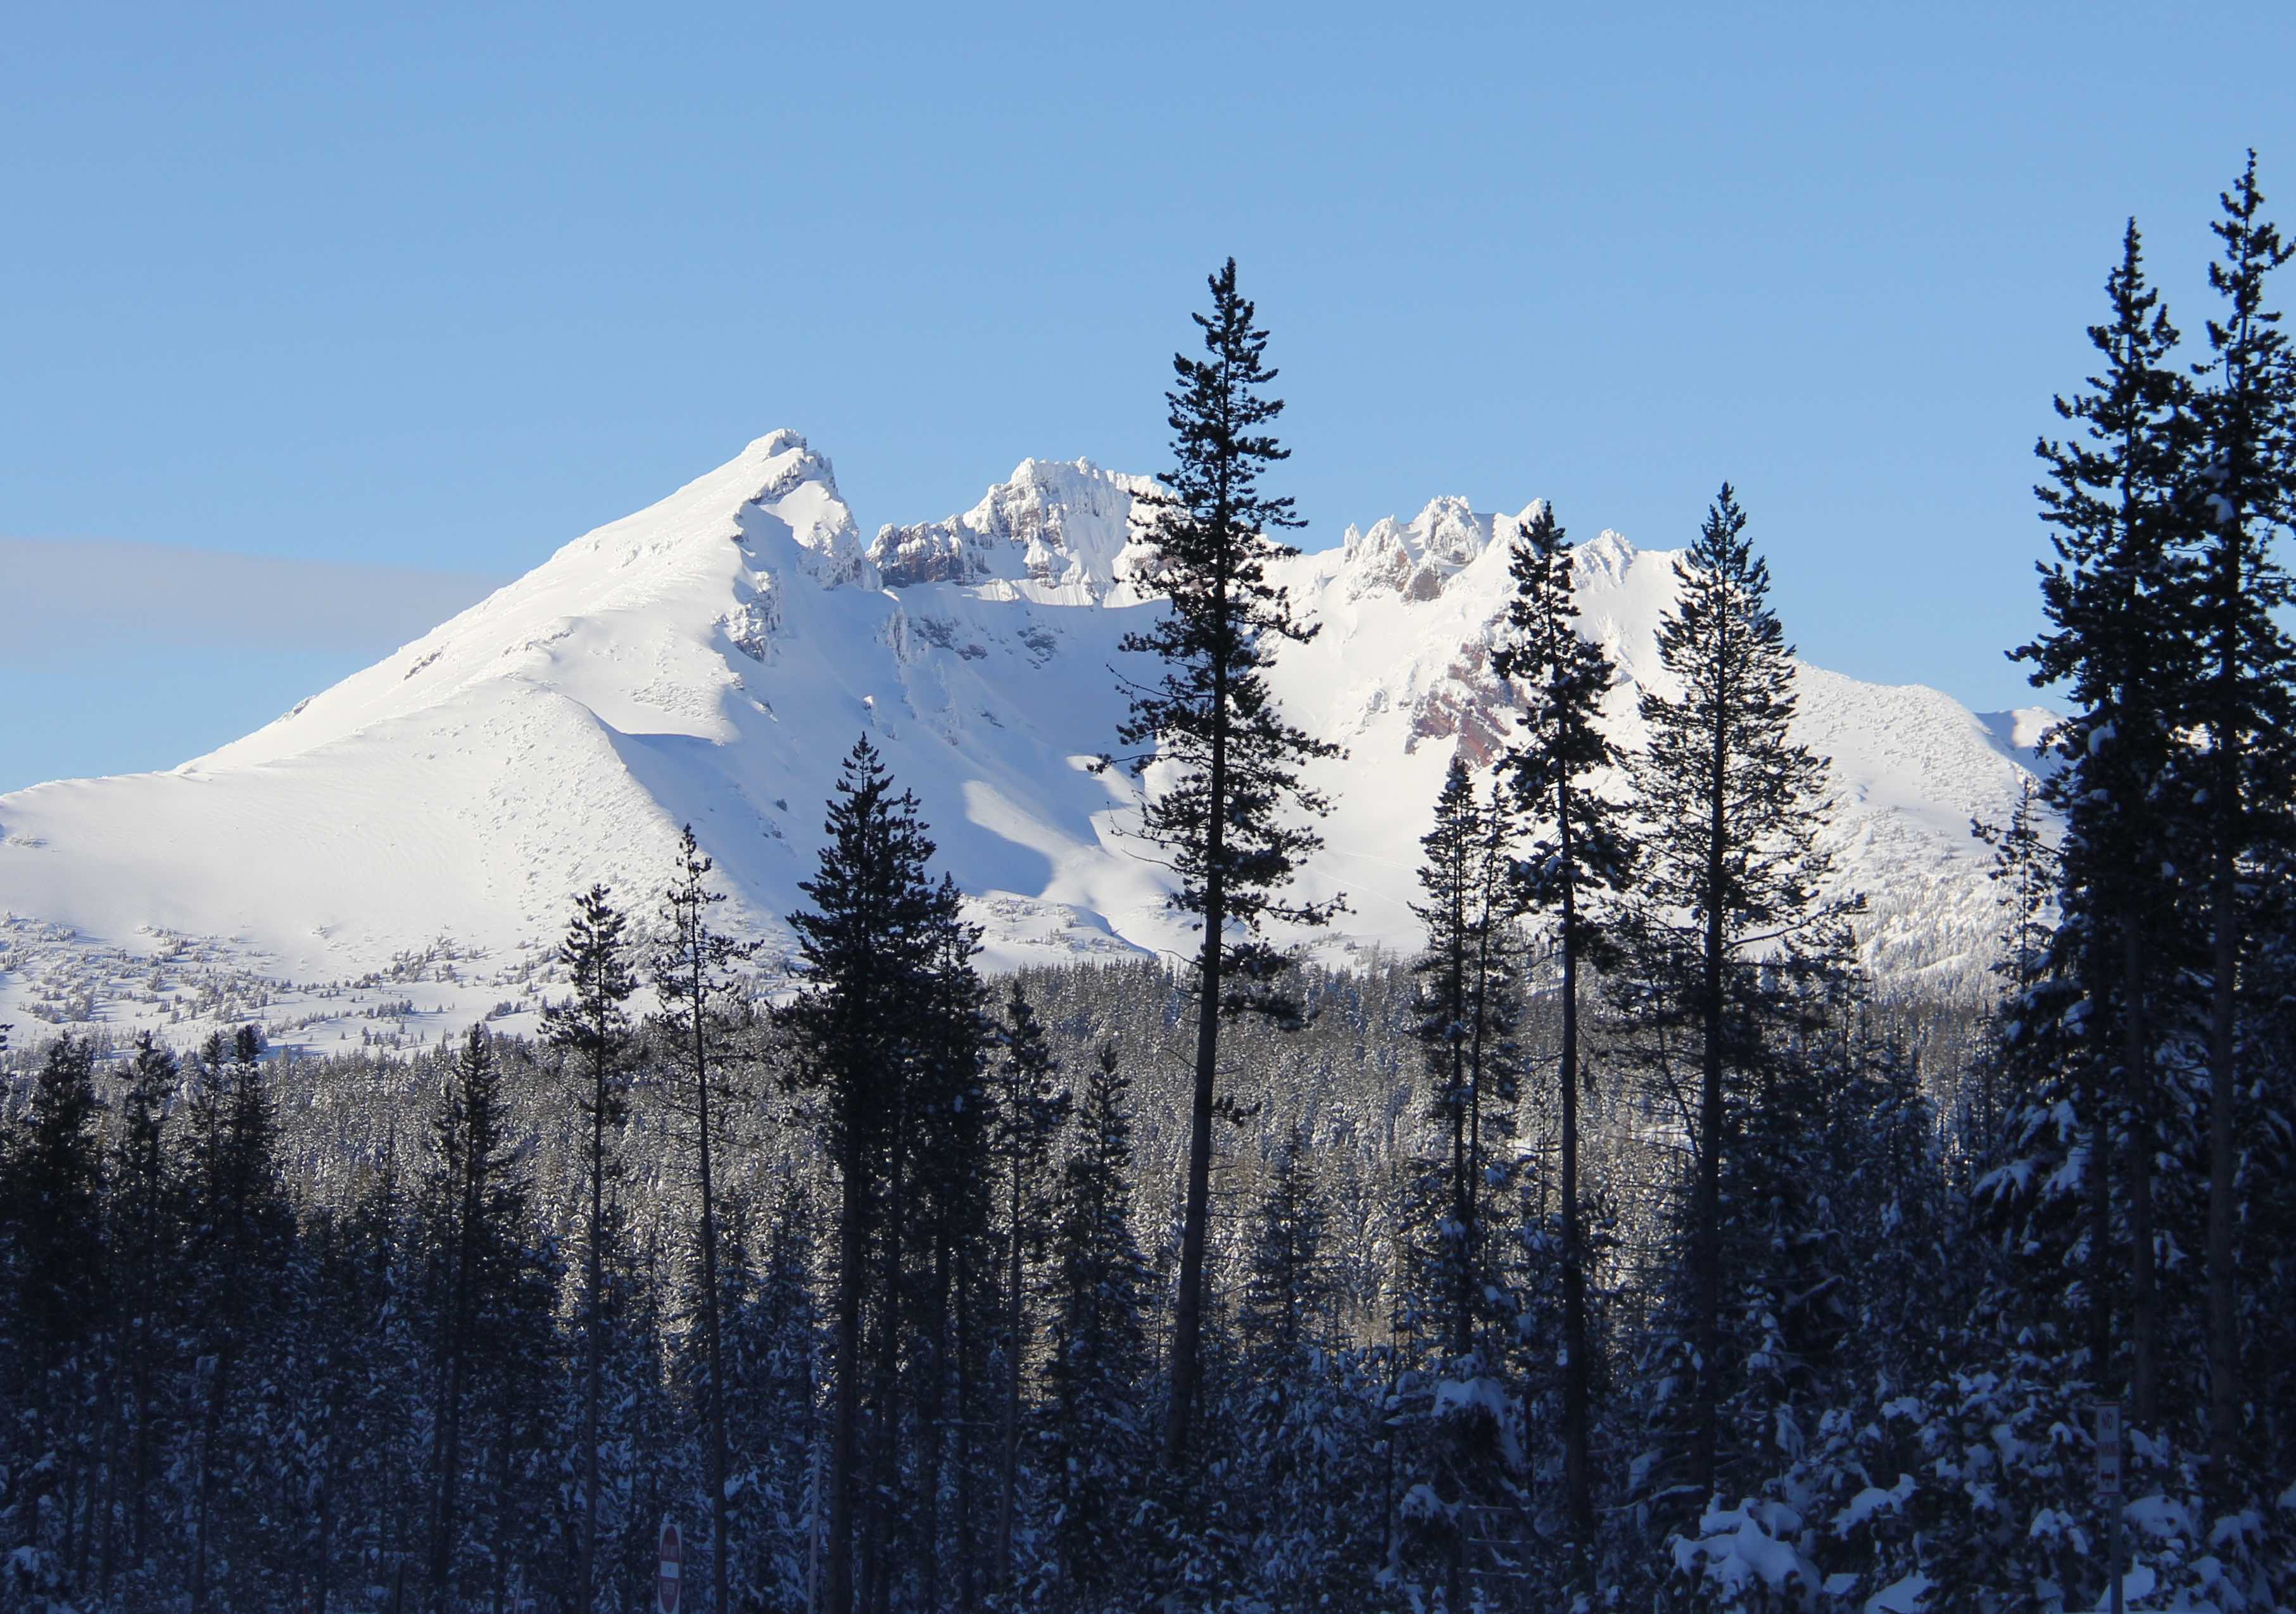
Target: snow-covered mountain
<point>711,658</point>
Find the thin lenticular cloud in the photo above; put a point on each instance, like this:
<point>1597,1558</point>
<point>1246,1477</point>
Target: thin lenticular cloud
<point>75,594</point>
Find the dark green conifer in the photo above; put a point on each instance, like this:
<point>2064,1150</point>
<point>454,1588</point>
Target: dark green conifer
<point>144,1223</point>
<point>591,1030</point>
<point>1733,808</point>
<point>55,1180</point>
<point>241,1231</point>
<point>1228,808</point>
<point>1469,979</point>
<point>1030,1112</point>
<point>2118,598</point>
<point>1095,1435</point>
<point>872,1032</point>
<point>478,1199</point>
<point>54,1316</point>
<point>1582,854</point>
<point>693,976</point>
<point>2245,702</point>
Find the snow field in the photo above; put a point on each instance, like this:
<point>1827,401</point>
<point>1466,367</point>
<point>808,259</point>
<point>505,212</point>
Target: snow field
<point>711,658</point>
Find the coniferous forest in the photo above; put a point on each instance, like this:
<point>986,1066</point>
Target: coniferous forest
<point>1629,1246</point>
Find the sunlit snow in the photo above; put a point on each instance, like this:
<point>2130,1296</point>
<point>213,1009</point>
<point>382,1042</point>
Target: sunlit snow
<point>711,658</point>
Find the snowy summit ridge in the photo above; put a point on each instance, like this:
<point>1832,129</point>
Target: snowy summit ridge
<point>710,660</point>
<point>1062,525</point>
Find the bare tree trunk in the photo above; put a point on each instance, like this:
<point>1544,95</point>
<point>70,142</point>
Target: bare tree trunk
<point>1188,1305</point>
<point>1486,925</point>
<point>1578,1477</point>
<point>2224,1339</point>
<point>2225,810</point>
<point>447,1444</point>
<point>2100,1241</point>
<point>1187,1311</point>
<point>716,1407</point>
<point>1706,1448</point>
<point>937,1433</point>
<point>968,1559</point>
<point>1016,1325</point>
<point>886,1459</point>
<point>444,1514</point>
<point>851,1253</point>
<point>211,1430</point>
<point>2143,1312</point>
<point>593,1326</point>
<point>1461,1306</point>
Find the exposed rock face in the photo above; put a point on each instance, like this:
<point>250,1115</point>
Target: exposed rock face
<point>1414,560</point>
<point>1059,524</point>
<point>1469,705</point>
<point>710,660</point>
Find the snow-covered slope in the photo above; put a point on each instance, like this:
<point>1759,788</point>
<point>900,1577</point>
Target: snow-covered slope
<point>711,658</point>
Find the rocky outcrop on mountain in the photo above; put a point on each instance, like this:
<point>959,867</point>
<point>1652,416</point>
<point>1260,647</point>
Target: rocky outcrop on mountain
<point>710,660</point>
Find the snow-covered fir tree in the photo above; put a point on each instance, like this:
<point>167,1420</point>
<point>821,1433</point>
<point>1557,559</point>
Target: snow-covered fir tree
<point>1093,1436</point>
<point>1558,765</point>
<point>1236,821</point>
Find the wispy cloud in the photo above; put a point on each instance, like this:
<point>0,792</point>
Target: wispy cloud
<point>74,595</point>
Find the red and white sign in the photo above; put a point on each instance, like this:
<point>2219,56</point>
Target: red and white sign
<point>2108,1449</point>
<point>664,1593</point>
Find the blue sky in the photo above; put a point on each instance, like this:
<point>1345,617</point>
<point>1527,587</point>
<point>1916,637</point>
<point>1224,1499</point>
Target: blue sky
<point>406,291</point>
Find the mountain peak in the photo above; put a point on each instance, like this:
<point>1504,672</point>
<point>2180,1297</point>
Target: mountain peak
<point>708,659</point>
<point>775,478</point>
<point>1415,559</point>
<point>796,501</point>
<point>1058,528</point>
<point>1607,556</point>
<point>781,439</point>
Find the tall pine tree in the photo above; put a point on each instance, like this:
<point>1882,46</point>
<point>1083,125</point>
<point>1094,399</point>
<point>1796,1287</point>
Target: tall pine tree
<point>1228,808</point>
<point>1468,1010</point>
<point>1030,1112</point>
<point>1468,980</point>
<point>144,1229</point>
<point>2117,602</point>
<point>693,977</point>
<point>1733,808</point>
<point>241,1231</point>
<point>1094,1439</point>
<point>591,1029</point>
<point>870,953</point>
<point>1583,853</point>
<point>476,1210</point>
<point>2246,699</point>
<point>51,1241</point>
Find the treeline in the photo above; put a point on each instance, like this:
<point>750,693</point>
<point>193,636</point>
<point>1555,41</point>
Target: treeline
<point>1628,1247</point>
